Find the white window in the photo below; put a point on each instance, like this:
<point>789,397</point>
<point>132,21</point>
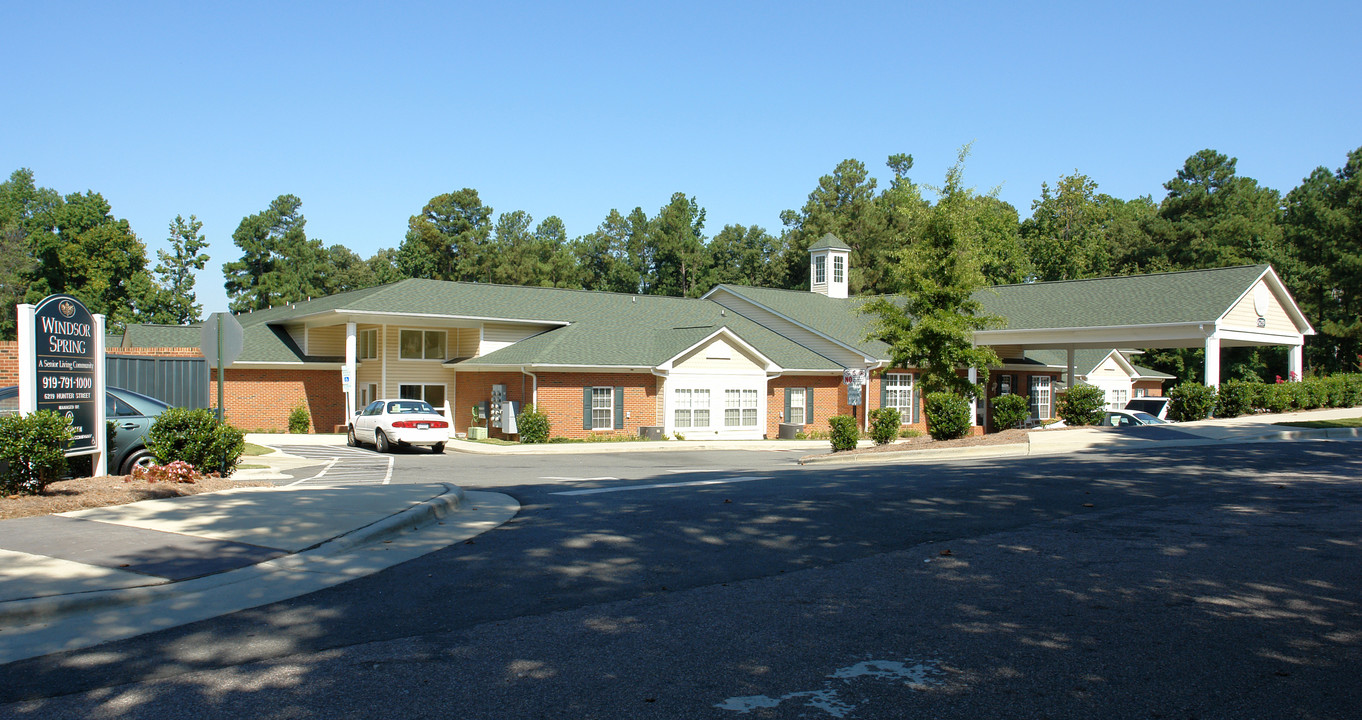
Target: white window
<point>368,394</point>
<point>1141,392</point>
<point>1117,398</point>
<point>602,408</point>
<point>898,394</point>
<point>691,408</point>
<point>433,394</point>
<point>820,270</point>
<point>838,269</point>
<point>797,405</point>
<point>1040,396</point>
<point>740,408</point>
<point>368,344</point>
<point>421,344</point>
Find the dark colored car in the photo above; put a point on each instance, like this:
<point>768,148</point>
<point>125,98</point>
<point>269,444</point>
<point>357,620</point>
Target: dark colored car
<point>132,415</point>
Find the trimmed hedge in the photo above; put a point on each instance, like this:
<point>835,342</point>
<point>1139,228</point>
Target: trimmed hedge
<point>1082,405</point>
<point>947,415</point>
<point>533,425</point>
<point>1009,411</point>
<point>844,434</point>
<point>1233,398</point>
<point>1190,401</point>
<point>33,451</point>
<point>884,425</point>
<point>196,437</point>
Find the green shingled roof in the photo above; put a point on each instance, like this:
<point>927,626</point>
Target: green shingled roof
<point>837,318</point>
<point>1179,297</point>
<point>829,241</point>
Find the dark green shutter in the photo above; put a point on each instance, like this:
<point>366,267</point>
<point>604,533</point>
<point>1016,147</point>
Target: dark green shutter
<point>808,406</point>
<point>884,392</point>
<point>788,403</point>
<point>916,400</point>
<point>619,408</point>
<point>586,408</point>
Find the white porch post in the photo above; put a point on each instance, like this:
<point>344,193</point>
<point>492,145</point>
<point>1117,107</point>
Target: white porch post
<point>350,370</point>
<point>1295,363</point>
<point>974,400</point>
<point>1069,380</point>
<point>1213,360</point>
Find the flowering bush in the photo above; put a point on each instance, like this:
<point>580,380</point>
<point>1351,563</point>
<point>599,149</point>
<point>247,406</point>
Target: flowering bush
<point>176,472</point>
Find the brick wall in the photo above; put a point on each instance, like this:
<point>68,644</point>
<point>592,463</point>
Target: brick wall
<point>9,363</point>
<point>261,399</point>
<point>829,398</point>
<point>560,397</point>
<point>471,388</point>
<point>1152,388</point>
<point>874,388</point>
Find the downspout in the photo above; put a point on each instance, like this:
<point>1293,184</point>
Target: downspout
<point>534,397</point>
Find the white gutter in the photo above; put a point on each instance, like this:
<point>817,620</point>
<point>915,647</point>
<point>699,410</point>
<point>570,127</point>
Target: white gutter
<point>534,394</point>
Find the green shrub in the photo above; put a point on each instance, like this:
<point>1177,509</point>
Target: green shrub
<point>844,434</point>
<point>884,425</point>
<point>533,425</point>
<point>196,437</point>
<point>1191,401</point>
<point>1273,398</point>
<point>1082,405</point>
<point>947,415</point>
<point>1235,398</point>
<point>1009,411</point>
<point>33,451</point>
<point>299,421</point>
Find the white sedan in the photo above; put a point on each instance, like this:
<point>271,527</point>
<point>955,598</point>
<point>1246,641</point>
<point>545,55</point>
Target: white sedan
<point>386,423</point>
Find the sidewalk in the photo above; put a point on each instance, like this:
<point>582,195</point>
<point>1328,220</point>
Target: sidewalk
<point>81,578</point>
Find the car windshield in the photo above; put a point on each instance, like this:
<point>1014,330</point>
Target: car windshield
<point>409,407</point>
<point>1147,419</point>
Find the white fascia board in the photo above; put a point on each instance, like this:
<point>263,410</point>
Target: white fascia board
<point>278,365</point>
<point>833,340</point>
<point>545,367</point>
<point>1261,338</point>
<point>1279,289</point>
<point>1192,333</point>
<point>728,335</point>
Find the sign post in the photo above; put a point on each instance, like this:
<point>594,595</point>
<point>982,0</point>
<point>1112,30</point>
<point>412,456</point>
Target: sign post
<point>221,341</point>
<point>855,379</point>
<point>61,369</point>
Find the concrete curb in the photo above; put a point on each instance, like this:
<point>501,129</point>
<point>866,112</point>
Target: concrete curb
<point>1030,449</point>
<point>476,448</point>
<point>54,606</point>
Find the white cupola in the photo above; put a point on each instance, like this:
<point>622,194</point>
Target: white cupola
<point>829,263</point>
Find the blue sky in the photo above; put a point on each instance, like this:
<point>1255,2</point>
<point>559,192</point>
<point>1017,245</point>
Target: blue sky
<point>367,110</point>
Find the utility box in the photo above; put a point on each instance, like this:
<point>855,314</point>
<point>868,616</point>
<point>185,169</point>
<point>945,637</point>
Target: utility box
<point>789,431</point>
<point>652,432</point>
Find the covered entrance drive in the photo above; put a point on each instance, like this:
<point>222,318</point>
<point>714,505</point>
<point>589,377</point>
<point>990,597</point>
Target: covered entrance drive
<point>1210,309</point>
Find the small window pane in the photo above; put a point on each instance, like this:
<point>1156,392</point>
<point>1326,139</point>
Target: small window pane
<point>435,345</point>
<point>410,344</point>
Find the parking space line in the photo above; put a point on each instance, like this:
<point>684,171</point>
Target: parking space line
<point>692,483</point>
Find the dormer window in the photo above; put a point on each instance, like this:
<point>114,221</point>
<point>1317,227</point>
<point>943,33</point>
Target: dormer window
<point>820,270</point>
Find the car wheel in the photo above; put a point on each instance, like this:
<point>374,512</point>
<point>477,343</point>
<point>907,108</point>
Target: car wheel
<point>437,448</point>
<point>381,442</point>
<point>140,457</point>
<point>350,437</point>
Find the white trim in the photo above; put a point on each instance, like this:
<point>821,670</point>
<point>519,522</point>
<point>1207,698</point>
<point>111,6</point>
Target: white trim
<point>423,358</point>
<point>728,334</point>
<point>1279,290</point>
<point>384,314</point>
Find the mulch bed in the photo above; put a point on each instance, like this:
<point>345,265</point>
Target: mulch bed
<point>925,442</point>
<point>82,493</point>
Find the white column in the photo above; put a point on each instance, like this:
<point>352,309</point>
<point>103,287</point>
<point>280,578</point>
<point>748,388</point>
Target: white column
<point>350,370</point>
<point>1213,360</point>
<point>101,458</point>
<point>1295,362</point>
<point>974,400</point>
<point>1069,379</point>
